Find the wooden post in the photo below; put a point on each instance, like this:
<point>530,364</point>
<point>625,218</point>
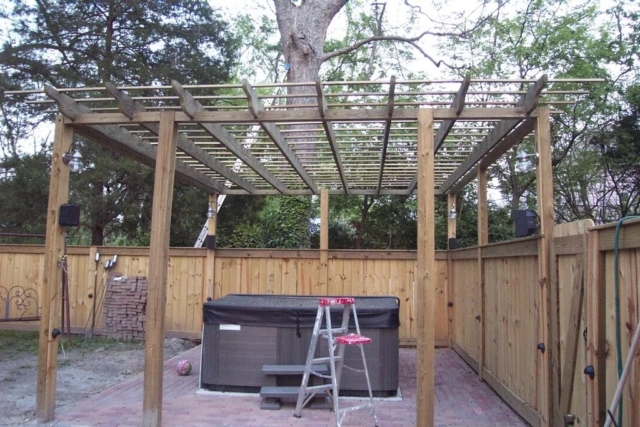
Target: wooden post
<point>596,330</point>
<point>92,275</point>
<point>426,279</point>
<point>451,223</point>
<point>158,266</point>
<point>324,240</point>
<point>51,297</point>
<point>451,233</point>
<point>212,224</point>
<point>544,178</point>
<point>483,240</point>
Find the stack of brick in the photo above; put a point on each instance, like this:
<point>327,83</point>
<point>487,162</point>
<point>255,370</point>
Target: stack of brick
<point>125,307</point>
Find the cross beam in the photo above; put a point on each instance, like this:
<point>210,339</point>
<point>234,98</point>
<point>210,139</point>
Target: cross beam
<point>502,147</point>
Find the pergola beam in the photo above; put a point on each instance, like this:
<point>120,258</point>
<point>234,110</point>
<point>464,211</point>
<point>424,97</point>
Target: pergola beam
<point>458,105</point>
<point>121,141</point>
<point>527,104</point>
<point>446,125</point>
<point>192,108</point>
<point>387,128</point>
<point>257,108</point>
<point>129,107</point>
<point>331,137</point>
<point>307,115</point>
<point>514,138</point>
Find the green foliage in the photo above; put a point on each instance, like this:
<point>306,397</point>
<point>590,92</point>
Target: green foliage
<point>285,222</point>
<point>24,187</point>
<point>564,40</point>
<point>238,223</point>
<point>68,43</point>
<point>619,148</point>
<point>71,43</point>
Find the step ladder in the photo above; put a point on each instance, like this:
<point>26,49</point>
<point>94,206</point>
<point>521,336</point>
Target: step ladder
<point>337,340</point>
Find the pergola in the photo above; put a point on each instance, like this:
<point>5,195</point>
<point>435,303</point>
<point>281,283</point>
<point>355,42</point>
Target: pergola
<point>361,138</point>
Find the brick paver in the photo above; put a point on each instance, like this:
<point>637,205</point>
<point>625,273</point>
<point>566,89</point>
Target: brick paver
<point>460,400</point>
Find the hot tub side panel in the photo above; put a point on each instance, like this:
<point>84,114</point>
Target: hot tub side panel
<point>232,359</point>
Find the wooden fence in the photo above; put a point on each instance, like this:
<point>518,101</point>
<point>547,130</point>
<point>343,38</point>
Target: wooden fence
<point>287,272</point>
<point>494,321</point>
<point>497,320</point>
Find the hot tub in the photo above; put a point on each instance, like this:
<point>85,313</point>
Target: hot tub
<point>244,332</point>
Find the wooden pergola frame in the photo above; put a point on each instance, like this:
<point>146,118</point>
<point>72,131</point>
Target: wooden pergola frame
<point>225,140</point>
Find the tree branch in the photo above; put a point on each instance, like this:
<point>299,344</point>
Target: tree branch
<point>409,40</point>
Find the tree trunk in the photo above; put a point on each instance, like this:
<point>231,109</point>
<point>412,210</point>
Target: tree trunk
<point>97,218</point>
<point>303,30</point>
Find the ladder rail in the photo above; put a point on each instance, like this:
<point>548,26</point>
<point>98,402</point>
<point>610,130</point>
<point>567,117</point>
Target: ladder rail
<point>336,348</point>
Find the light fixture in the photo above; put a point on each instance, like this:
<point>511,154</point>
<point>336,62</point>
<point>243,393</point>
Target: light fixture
<point>210,212</point>
<point>74,161</point>
<point>525,165</point>
<point>452,213</point>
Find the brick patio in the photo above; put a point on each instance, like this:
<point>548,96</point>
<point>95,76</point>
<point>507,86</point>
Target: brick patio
<point>461,400</point>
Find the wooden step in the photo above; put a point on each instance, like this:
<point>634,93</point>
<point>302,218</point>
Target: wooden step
<point>271,395</point>
<point>279,391</point>
<point>294,369</point>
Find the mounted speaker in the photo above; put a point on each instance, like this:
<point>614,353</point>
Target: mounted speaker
<point>69,215</point>
<point>453,243</point>
<point>210,241</point>
<point>525,222</point>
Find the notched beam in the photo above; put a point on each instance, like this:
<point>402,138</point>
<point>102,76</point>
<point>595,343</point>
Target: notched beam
<point>387,129</point>
<point>502,147</point>
<point>129,107</point>
<point>192,107</point>
<point>446,125</point>
<point>256,108</point>
<point>527,103</point>
<point>116,139</point>
<point>331,137</point>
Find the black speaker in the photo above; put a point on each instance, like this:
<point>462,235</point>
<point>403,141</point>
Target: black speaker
<point>69,215</point>
<point>525,222</point>
<point>210,241</point>
<point>453,243</point>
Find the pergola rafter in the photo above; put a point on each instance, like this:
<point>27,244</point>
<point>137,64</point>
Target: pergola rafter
<point>256,107</point>
<point>347,147</point>
<point>447,125</point>
<point>192,107</point>
<point>527,103</point>
<point>129,107</point>
<point>119,140</point>
<point>331,136</point>
<point>387,128</point>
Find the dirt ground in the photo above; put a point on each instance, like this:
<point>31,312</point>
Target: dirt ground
<point>87,368</point>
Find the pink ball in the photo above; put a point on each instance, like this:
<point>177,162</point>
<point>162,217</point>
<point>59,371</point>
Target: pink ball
<point>184,367</point>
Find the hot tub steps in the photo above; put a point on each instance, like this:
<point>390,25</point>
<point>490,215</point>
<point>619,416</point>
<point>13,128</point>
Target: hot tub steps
<point>272,395</point>
<point>293,369</point>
